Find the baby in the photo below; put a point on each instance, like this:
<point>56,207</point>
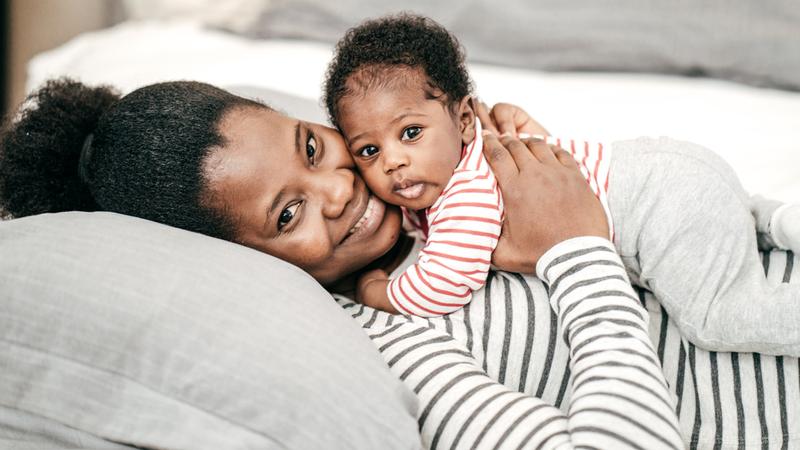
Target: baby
<point>399,92</point>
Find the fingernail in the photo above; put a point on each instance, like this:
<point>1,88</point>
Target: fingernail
<point>486,133</point>
<point>506,134</point>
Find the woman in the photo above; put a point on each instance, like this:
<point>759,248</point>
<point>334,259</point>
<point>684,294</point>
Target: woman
<point>199,158</point>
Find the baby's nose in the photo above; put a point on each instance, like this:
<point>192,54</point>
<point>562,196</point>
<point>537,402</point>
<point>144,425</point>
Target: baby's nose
<point>393,159</point>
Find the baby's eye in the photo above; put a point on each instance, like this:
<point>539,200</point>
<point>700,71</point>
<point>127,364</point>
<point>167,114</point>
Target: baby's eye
<point>368,151</point>
<point>311,148</point>
<point>411,133</point>
<point>287,215</point>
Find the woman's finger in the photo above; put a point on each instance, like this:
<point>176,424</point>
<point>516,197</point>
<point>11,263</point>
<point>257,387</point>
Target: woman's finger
<point>563,156</point>
<point>541,150</point>
<point>518,149</point>
<point>482,111</point>
<point>499,157</point>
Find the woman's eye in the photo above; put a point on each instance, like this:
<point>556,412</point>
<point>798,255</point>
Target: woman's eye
<point>311,148</point>
<point>411,133</point>
<point>368,151</point>
<point>287,215</point>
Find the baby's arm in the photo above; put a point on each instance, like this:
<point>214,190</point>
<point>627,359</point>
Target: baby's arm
<point>464,228</point>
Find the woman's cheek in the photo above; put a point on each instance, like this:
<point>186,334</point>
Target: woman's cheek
<point>309,252</point>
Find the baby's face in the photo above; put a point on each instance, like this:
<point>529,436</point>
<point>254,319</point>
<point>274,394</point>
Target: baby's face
<point>405,145</point>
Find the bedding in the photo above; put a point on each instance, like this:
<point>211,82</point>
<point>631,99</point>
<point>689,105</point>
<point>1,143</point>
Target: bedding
<point>101,352</point>
<point>742,40</point>
<point>147,335</point>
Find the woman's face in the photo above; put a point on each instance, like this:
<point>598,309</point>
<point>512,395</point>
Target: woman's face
<point>291,189</point>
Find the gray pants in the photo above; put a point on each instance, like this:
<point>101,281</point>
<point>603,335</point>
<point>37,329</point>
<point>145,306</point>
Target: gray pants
<point>685,232</point>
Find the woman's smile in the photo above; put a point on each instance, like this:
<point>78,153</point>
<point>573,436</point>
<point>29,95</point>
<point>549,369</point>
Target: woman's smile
<point>331,225</point>
<point>369,220</point>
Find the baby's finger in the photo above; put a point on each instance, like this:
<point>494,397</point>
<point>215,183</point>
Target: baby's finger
<point>499,158</point>
<point>482,111</point>
<point>504,119</point>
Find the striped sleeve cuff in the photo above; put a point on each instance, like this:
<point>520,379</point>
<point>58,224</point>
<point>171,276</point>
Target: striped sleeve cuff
<point>561,256</point>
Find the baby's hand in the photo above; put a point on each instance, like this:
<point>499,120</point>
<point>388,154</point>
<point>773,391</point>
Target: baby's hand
<point>371,290</point>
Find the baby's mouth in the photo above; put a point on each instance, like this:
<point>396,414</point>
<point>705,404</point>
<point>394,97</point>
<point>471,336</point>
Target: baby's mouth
<point>409,189</point>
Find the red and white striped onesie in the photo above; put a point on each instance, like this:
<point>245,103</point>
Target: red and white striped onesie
<point>462,227</point>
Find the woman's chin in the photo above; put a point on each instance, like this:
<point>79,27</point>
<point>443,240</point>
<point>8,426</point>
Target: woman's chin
<point>359,251</point>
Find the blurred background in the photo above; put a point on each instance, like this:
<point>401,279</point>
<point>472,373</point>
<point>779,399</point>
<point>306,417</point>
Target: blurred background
<point>28,27</point>
<point>755,42</point>
<point>721,73</point>
<point>31,26</point>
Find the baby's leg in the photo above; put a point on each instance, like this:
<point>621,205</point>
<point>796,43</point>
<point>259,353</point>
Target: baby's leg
<point>778,224</point>
<point>684,228</point>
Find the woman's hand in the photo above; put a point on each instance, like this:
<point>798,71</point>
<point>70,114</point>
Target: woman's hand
<point>547,200</point>
<point>505,118</point>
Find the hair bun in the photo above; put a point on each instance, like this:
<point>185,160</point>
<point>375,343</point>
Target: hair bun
<point>40,150</point>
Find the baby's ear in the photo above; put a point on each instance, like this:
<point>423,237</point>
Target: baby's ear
<point>465,113</point>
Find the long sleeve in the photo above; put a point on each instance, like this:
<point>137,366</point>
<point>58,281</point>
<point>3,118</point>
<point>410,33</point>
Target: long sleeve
<point>619,396</point>
<point>463,227</point>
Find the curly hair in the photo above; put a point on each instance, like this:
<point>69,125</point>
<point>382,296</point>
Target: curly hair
<point>402,40</point>
<point>147,157</point>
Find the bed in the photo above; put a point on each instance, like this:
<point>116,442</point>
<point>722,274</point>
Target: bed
<point>113,362</point>
<point>755,129</point>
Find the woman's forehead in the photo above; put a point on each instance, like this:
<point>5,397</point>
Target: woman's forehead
<point>246,125</point>
<point>256,142</point>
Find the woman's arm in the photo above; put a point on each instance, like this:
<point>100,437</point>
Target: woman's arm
<point>619,397</point>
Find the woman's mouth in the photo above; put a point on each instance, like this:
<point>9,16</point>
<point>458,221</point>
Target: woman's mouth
<point>369,220</point>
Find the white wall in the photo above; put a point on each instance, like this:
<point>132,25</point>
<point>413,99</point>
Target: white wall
<point>37,25</point>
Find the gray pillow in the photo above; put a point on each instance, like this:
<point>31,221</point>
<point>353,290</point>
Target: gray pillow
<point>153,336</point>
<point>743,40</point>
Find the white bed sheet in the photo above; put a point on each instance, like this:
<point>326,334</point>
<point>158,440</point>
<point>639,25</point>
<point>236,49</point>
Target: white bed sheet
<point>756,130</point>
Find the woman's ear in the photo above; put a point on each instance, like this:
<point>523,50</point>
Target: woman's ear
<point>465,114</point>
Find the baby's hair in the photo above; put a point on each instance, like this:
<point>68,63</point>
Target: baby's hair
<point>374,48</point>
<point>143,154</point>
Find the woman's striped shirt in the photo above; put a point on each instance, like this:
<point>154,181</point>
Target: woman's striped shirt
<point>584,366</point>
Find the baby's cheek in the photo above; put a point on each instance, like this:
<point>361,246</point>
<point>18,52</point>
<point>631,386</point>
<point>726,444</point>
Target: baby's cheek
<point>378,182</point>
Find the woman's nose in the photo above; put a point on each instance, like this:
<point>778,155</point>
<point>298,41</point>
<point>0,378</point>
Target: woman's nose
<point>336,191</point>
<point>394,157</point>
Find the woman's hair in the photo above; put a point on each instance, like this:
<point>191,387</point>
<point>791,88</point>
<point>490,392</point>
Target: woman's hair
<point>75,147</point>
<point>403,40</point>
